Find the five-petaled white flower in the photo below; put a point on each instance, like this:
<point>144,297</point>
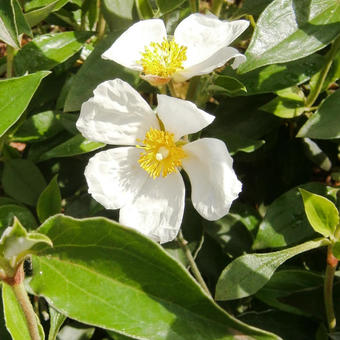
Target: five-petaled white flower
<point>199,45</point>
<point>143,178</point>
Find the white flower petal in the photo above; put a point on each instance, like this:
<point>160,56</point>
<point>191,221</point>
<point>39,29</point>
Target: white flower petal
<point>181,117</point>
<point>157,210</point>
<point>204,35</point>
<point>127,49</point>
<point>114,177</point>
<point>214,184</point>
<point>117,114</point>
<point>208,65</point>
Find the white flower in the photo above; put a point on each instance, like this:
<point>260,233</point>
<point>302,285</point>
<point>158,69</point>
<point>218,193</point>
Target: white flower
<point>143,178</point>
<point>200,44</point>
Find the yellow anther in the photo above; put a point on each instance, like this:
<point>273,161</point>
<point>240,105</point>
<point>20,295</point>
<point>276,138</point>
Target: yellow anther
<point>163,59</point>
<point>161,155</point>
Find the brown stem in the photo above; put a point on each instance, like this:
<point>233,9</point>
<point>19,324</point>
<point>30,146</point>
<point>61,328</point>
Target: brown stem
<point>332,263</point>
<point>184,244</point>
<point>25,303</point>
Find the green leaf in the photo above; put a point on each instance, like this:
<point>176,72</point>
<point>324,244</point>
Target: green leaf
<point>322,214</point>
<point>144,9</point>
<point>96,262</point>
<point>227,85</point>
<point>248,273</point>
<point>118,14</point>
<point>38,14</point>
<point>321,124</point>
<point>231,234</point>
<point>15,242</point>
<point>316,155</point>
<point>14,315</point>
<point>252,7</point>
<point>38,127</point>
<point>88,77</point>
<point>289,103</point>
<point>22,25</point>
<point>76,145</point>
<point>166,6</point>
<point>8,27</point>
<point>80,332</point>
<point>301,28</point>
<point>90,11</point>
<point>285,222</point>
<point>46,51</point>
<point>35,4</point>
<point>49,202</point>
<point>9,211</point>
<point>336,250</point>
<point>4,334</point>
<point>15,95</point>
<point>22,180</point>
<point>272,78</point>
<point>56,321</point>
<point>285,283</point>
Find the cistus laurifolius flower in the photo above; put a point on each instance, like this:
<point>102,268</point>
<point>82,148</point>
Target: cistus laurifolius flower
<point>142,178</point>
<point>200,44</point>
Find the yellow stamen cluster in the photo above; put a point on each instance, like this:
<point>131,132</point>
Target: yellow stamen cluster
<point>162,155</point>
<point>163,59</point>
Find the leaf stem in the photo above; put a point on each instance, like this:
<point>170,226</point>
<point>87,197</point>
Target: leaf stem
<point>101,27</point>
<point>314,93</point>
<point>25,303</point>
<point>216,7</point>
<point>184,244</point>
<point>332,263</point>
<point>9,66</point>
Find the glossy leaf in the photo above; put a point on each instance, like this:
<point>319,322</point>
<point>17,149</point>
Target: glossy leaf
<point>292,29</point>
<point>166,6</point>
<point>41,10</point>
<point>21,23</point>
<point>15,95</point>
<point>74,146</point>
<point>322,214</point>
<point>144,9</point>
<point>252,7</point>
<point>316,154</point>
<point>272,78</point>
<point>4,334</point>
<point>227,85</point>
<point>14,316</point>
<point>56,321</point>
<point>49,202</point>
<point>97,262</point>
<point>22,180</point>
<point>248,273</point>
<point>76,333</point>
<point>8,26</point>
<point>290,103</point>
<point>9,211</point>
<point>38,127</point>
<point>118,14</point>
<point>285,222</point>
<point>285,283</point>
<point>35,4</point>
<point>336,250</point>
<point>94,71</point>
<point>48,50</point>
<point>321,125</point>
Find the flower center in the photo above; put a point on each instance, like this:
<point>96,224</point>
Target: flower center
<point>163,59</point>
<point>161,155</point>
